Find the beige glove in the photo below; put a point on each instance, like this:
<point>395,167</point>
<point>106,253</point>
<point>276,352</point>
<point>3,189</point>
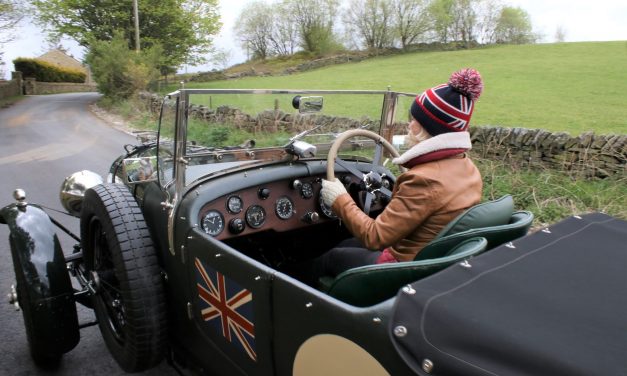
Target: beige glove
<point>331,190</point>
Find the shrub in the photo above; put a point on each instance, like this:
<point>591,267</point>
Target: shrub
<point>121,72</point>
<point>46,72</point>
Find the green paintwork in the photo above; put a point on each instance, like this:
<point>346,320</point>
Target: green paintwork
<point>37,253</point>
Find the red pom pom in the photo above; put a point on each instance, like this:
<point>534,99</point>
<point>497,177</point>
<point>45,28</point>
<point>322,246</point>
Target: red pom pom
<point>468,82</point>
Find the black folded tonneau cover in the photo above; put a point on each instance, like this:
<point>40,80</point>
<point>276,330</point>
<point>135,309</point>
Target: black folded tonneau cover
<point>556,304</point>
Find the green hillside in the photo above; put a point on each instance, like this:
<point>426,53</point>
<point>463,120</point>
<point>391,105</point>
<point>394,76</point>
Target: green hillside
<point>573,87</point>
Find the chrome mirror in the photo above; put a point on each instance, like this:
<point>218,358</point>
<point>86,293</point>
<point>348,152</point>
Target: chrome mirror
<point>306,105</point>
<point>140,170</point>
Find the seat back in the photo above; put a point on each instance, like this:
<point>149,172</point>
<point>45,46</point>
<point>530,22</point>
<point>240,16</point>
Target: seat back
<point>517,226</point>
<point>372,284</point>
<point>486,215</point>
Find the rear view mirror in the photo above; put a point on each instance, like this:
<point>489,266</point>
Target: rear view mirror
<point>140,170</point>
<point>306,105</point>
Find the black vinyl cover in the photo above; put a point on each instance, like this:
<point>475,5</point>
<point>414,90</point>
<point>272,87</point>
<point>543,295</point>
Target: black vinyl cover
<point>556,304</point>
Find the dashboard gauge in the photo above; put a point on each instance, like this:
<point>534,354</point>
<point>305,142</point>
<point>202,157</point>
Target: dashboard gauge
<point>284,207</point>
<point>234,204</point>
<point>255,216</point>
<point>306,190</point>
<point>325,209</point>
<point>213,223</point>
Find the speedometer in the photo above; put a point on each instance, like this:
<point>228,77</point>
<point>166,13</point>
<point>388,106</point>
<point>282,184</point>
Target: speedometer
<point>255,216</point>
<point>213,223</point>
<point>284,207</point>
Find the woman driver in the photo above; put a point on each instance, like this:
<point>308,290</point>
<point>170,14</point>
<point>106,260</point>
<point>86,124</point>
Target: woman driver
<point>440,183</point>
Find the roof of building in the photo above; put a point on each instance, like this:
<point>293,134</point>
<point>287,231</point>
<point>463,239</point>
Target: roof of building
<point>60,58</point>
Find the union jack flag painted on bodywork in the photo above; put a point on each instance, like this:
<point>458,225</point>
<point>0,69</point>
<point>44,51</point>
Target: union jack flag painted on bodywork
<point>227,307</point>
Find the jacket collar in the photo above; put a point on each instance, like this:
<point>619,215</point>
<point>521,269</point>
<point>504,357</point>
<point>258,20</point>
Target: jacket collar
<point>435,148</point>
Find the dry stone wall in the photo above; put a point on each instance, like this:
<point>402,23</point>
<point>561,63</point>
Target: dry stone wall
<point>587,155</point>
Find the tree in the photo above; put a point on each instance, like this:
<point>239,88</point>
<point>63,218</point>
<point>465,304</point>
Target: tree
<point>11,13</point>
<point>514,26</point>
<point>119,71</point>
<point>411,20</point>
<point>371,21</point>
<point>441,12</point>
<point>183,29</point>
<point>315,20</point>
<point>488,13</point>
<point>284,37</point>
<point>560,34</point>
<point>464,17</point>
<point>254,27</point>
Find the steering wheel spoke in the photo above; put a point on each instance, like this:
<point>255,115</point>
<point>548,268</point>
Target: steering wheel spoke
<point>348,167</point>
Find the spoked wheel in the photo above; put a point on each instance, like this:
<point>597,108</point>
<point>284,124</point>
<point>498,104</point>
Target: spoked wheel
<point>123,270</point>
<point>373,181</point>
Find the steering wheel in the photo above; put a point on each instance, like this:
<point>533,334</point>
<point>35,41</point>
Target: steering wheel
<point>373,181</point>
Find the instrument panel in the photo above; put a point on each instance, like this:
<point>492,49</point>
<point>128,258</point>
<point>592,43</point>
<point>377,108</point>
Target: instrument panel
<point>280,206</point>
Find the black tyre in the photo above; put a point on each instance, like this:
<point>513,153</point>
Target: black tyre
<point>122,264</point>
<point>44,355</point>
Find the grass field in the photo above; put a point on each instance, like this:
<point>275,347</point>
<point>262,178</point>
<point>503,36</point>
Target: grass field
<point>571,87</point>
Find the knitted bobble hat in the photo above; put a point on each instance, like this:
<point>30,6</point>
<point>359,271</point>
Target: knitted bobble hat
<point>448,107</point>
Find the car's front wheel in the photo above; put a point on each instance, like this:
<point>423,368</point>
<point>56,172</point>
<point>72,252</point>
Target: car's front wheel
<point>122,266</point>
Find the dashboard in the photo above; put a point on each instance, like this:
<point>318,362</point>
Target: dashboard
<point>281,205</point>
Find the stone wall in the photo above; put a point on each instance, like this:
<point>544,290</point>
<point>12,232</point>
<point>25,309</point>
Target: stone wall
<point>587,155</point>
<point>13,87</point>
<point>32,87</point>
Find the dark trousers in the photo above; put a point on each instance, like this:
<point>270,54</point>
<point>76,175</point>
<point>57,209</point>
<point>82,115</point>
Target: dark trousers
<point>348,254</point>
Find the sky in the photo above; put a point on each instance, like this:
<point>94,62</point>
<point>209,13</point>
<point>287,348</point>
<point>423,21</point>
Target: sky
<point>582,20</point>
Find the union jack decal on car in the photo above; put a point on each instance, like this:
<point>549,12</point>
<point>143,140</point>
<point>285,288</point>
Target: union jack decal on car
<point>225,306</point>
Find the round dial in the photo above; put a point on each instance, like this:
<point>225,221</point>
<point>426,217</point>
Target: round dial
<point>213,223</point>
<point>284,207</point>
<point>255,216</point>
<point>234,204</point>
<point>325,209</point>
<point>306,190</point>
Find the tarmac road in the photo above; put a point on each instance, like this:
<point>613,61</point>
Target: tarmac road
<point>43,139</point>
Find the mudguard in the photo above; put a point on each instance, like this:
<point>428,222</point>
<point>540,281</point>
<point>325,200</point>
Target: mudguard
<point>47,290</point>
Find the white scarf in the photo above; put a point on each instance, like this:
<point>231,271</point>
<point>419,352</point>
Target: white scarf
<point>450,140</point>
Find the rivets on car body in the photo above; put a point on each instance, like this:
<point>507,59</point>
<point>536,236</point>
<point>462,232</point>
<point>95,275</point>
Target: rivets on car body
<point>309,305</point>
<point>218,255</point>
<point>409,290</point>
<point>400,331</point>
<point>465,264</point>
<point>258,278</point>
<point>376,320</point>
<point>427,365</point>
<point>510,245</point>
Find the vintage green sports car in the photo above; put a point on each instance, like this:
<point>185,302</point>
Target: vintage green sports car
<point>188,252</point>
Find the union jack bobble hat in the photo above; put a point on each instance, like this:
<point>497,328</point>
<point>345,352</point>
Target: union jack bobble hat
<point>448,107</point>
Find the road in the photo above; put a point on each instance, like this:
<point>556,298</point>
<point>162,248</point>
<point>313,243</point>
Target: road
<point>43,139</point>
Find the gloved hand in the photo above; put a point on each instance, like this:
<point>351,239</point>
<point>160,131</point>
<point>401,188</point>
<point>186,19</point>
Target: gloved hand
<point>331,190</point>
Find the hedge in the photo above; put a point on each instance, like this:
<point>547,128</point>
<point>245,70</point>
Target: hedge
<point>46,72</point>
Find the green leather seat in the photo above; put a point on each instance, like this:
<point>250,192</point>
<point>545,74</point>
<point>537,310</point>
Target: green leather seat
<point>372,284</point>
<point>494,222</point>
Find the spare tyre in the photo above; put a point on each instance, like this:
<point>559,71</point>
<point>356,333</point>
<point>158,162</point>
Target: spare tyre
<point>122,265</point>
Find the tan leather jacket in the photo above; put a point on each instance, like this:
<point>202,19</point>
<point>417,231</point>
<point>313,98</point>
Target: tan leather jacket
<point>424,200</point>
